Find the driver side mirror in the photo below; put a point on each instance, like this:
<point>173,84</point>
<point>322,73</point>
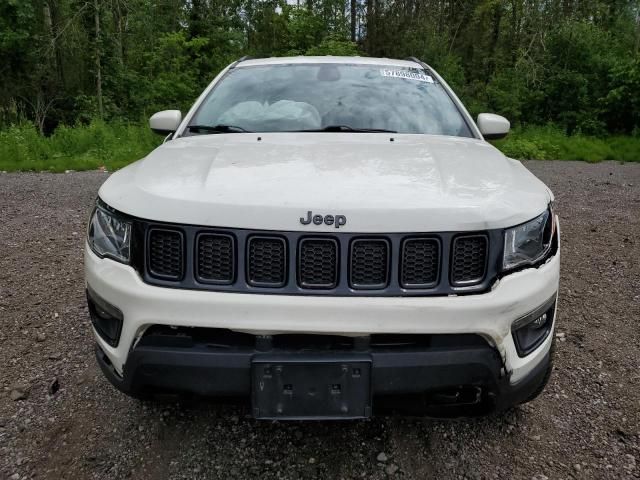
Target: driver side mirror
<point>165,122</point>
<point>493,126</point>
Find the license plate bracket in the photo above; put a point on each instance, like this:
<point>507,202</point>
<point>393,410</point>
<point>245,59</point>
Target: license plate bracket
<point>307,388</point>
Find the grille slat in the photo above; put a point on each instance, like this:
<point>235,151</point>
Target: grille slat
<point>420,262</point>
<point>215,258</point>
<point>166,254</point>
<point>469,263</point>
<point>369,264</point>
<point>267,262</point>
<point>318,263</point>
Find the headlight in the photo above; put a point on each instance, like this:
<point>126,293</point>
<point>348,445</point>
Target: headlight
<point>528,243</point>
<point>109,235</point>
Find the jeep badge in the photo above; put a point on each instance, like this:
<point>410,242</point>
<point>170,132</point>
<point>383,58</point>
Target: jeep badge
<point>337,220</point>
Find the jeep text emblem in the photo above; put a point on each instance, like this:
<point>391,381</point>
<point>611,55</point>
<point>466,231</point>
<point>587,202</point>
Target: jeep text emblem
<point>337,220</point>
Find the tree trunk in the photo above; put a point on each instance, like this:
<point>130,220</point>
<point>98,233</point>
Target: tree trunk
<point>55,19</point>
<point>638,32</point>
<point>96,16</point>
<point>493,43</point>
<point>370,28</point>
<point>119,28</point>
<point>46,12</point>
<point>353,20</point>
<point>515,40</point>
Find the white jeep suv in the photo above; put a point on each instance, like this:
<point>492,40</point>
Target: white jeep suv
<point>326,237</point>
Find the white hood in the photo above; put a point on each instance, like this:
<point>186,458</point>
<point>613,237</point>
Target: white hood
<point>415,183</point>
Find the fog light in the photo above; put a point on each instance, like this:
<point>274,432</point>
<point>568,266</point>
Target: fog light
<point>540,321</point>
<point>532,329</point>
<point>106,319</point>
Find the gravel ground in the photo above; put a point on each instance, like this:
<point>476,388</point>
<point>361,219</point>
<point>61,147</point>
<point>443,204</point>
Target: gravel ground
<point>59,418</point>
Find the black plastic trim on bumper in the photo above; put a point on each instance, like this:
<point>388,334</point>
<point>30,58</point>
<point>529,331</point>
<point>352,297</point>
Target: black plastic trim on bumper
<point>204,371</point>
<point>94,303</point>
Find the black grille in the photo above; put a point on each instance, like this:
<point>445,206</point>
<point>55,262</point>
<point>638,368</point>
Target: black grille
<point>469,263</point>
<point>369,264</point>
<point>215,257</point>
<point>267,262</point>
<point>420,262</point>
<point>318,263</point>
<point>166,254</point>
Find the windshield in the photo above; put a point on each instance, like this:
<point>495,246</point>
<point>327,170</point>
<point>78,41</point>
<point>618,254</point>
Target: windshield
<point>331,97</point>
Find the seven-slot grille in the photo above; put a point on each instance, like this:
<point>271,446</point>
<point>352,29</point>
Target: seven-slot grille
<point>166,254</point>
<point>215,257</point>
<point>318,263</point>
<point>469,259</point>
<point>334,264</point>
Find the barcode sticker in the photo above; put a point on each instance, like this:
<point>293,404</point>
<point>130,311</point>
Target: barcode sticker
<point>406,74</point>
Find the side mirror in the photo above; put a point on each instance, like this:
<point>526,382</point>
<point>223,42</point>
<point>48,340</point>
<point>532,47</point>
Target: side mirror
<point>165,122</point>
<point>493,126</point>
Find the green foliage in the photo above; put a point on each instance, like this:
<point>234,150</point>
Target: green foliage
<point>177,67</point>
<point>450,68</point>
<point>621,104</point>
<point>575,65</point>
<point>115,145</point>
<point>292,30</point>
<point>506,93</point>
<point>334,46</point>
<point>16,28</point>
<point>551,143</point>
<point>303,29</point>
<point>86,147</point>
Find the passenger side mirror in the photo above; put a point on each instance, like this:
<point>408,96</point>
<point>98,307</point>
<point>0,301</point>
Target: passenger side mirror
<point>493,126</point>
<point>165,122</point>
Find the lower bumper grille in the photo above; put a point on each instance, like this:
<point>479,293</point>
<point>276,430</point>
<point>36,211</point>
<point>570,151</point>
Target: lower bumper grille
<point>219,362</point>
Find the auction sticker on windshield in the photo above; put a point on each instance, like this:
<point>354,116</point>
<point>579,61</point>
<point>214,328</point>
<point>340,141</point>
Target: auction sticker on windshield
<point>407,74</point>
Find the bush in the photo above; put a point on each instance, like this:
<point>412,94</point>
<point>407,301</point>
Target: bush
<point>550,143</point>
<point>75,148</point>
<point>114,145</point>
<point>333,46</point>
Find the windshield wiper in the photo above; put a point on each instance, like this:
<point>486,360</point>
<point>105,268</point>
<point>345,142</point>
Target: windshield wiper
<point>220,128</point>
<point>347,128</point>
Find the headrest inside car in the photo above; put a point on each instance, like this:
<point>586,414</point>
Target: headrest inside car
<point>328,73</point>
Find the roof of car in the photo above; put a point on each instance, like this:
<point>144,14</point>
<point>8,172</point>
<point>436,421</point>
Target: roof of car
<point>327,59</point>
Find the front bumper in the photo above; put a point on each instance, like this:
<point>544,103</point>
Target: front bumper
<point>497,365</point>
<point>465,378</point>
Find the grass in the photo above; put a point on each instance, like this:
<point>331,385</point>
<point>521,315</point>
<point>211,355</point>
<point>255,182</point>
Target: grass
<point>549,143</point>
<point>86,147</point>
<point>114,145</point>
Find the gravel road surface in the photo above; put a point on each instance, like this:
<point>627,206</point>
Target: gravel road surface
<point>59,418</point>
